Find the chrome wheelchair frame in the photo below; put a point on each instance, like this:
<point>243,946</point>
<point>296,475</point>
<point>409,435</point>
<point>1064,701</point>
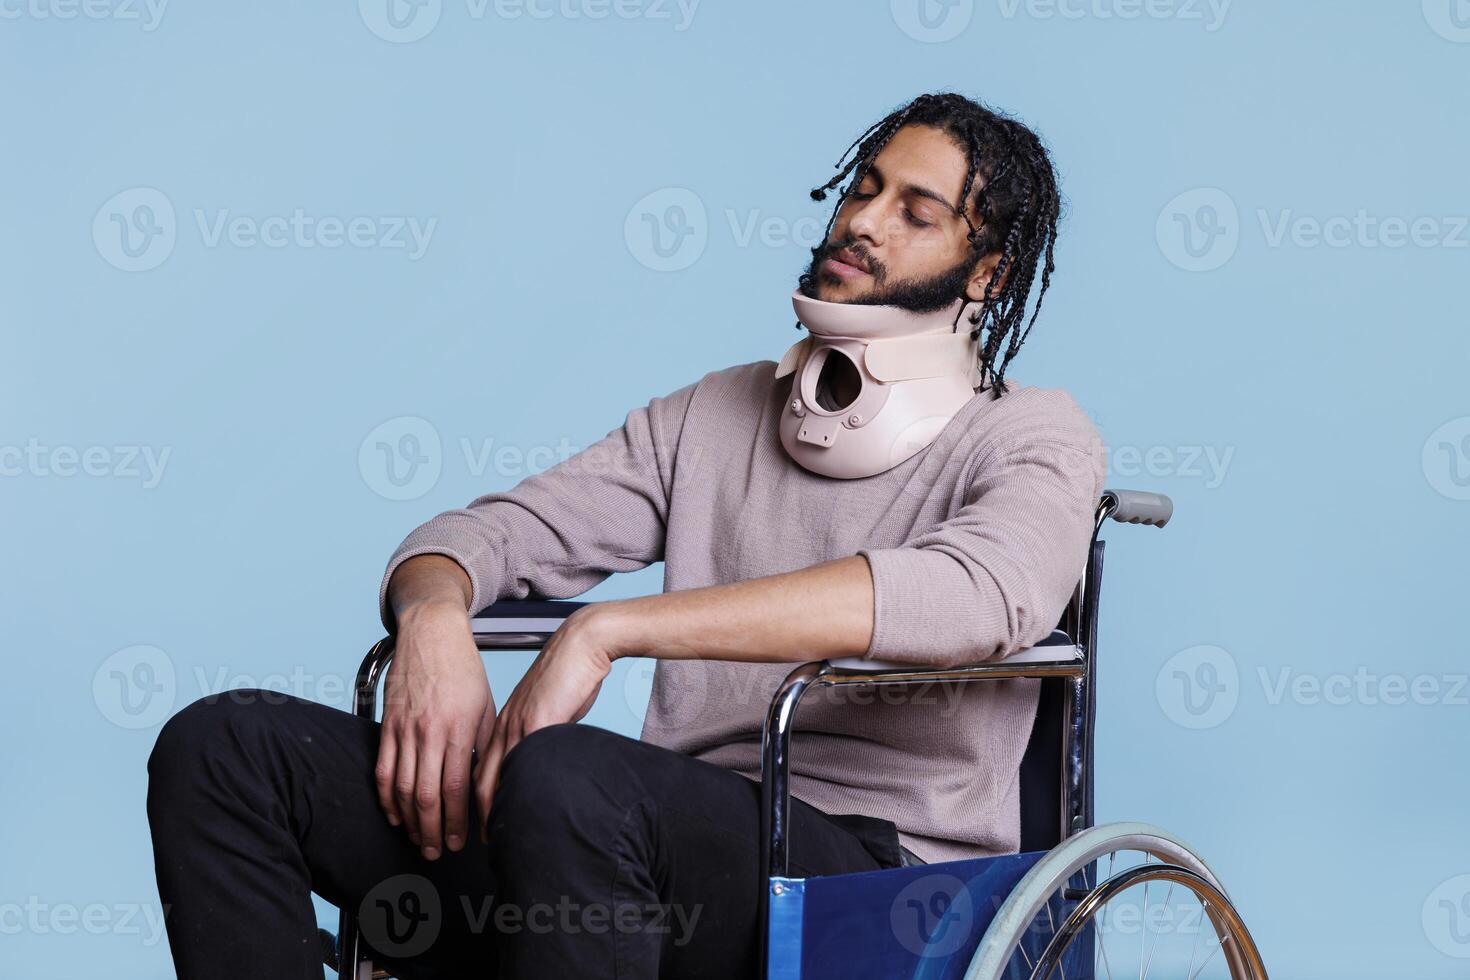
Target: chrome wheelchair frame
<point>1060,753</point>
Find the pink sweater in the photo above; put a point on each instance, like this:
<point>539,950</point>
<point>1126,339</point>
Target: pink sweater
<point>975,545</point>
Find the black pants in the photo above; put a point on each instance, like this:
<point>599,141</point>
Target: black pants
<point>608,857</point>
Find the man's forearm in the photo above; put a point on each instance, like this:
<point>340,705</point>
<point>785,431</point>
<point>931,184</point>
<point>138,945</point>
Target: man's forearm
<point>428,580</point>
<point>810,614</point>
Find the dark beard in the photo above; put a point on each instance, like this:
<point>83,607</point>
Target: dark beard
<point>914,295</point>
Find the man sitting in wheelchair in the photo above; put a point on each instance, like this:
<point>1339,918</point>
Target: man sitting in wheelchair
<point>883,492</point>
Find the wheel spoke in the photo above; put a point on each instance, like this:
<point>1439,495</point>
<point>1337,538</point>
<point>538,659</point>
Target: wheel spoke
<point>1169,891</point>
<point>1053,923</point>
<point>1101,947</point>
<point>1194,947</point>
<point>1143,939</point>
<point>1206,962</point>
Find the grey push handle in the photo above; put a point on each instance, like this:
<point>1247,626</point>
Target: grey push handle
<point>1138,507</point>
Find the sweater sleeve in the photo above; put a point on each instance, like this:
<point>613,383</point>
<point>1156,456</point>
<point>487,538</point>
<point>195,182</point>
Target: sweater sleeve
<point>993,579</point>
<point>559,532</point>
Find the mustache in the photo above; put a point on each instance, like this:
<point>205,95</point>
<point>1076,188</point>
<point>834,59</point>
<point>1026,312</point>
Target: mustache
<point>875,268</point>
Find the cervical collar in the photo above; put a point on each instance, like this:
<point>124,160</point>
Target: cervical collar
<point>917,371</point>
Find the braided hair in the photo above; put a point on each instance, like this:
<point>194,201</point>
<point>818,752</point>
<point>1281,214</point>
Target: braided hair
<point>1017,202</point>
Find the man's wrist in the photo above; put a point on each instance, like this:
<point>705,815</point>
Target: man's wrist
<point>430,609</point>
<point>615,625</point>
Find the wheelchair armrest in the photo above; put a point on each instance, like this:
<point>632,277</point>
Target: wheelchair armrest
<point>1056,650</point>
<point>1056,656</point>
<point>520,624</point>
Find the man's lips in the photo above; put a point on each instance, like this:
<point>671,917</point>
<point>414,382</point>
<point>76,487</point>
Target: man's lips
<point>846,264</point>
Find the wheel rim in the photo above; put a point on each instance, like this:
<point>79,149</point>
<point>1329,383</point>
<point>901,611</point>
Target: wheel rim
<point>1116,863</point>
<point>1085,920</point>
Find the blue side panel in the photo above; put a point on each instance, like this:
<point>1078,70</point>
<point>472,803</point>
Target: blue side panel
<point>784,938</point>
<point>922,923</point>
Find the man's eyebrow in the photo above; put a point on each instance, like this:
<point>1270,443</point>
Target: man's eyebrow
<point>918,190</point>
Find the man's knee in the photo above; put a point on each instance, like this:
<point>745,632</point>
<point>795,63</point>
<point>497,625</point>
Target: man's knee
<point>560,771</point>
<point>210,730</point>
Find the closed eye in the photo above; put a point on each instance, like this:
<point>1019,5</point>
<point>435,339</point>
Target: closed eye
<point>908,215</point>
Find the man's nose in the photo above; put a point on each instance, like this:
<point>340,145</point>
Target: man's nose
<point>867,226</point>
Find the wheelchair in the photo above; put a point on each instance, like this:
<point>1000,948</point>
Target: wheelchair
<point>1049,911</point>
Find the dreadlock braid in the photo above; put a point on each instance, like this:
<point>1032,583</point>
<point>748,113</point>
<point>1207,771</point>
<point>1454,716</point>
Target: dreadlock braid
<point>1017,202</point>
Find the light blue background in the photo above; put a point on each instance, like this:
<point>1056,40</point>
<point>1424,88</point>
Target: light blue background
<point>1331,545</point>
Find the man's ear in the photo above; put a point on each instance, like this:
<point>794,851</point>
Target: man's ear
<point>984,271</point>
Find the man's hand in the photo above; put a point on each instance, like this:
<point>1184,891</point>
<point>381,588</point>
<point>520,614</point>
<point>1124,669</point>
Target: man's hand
<point>561,686</point>
<point>437,708</point>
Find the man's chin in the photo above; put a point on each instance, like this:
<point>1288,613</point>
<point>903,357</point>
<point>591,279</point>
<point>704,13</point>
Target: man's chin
<point>835,289</point>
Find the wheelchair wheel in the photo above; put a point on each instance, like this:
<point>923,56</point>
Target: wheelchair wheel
<point>1061,922</point>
